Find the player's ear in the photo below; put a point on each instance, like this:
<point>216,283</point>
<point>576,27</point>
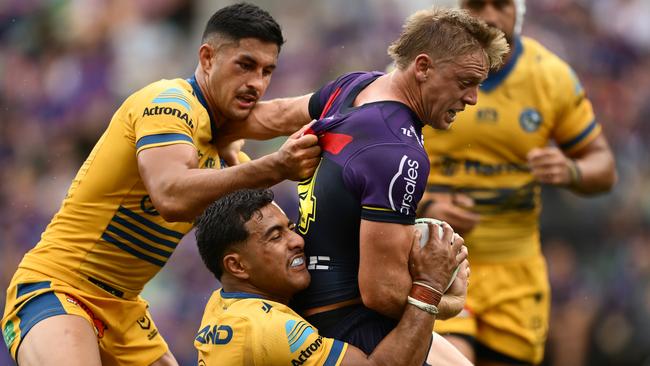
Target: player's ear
<point>206,56</point>
<point>233,263</point>
<point>422,65</point>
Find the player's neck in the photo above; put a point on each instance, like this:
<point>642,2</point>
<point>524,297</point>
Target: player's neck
<point>202,80</point>
<point>378,91</point>
<point>238,286</point>
<point>406,90</point>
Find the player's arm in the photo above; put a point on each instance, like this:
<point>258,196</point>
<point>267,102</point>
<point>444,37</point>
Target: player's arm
<point>408,343</point>
<point>269,119</point>
<point>589,170</point>
<point>180,191</point>
<point>453,208</point>
<point>583,162</point>
<point>384,280</point>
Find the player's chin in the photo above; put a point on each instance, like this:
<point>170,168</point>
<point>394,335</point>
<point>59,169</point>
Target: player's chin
<point>239,113</point>
<point>300,279</point>
<point>441,124</point>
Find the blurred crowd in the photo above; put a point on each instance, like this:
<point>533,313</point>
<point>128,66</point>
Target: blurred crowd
<point>66,65</point>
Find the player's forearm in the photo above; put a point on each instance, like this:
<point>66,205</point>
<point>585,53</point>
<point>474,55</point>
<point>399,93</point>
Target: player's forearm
<point>387,294</point>
<point>596,172</point>
<point>186,195</point>
<point>408,343</point>
<point>269,119</point>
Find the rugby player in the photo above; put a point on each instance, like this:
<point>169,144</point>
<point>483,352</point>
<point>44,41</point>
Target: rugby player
<point>357,210</point>
<point>485,181</point>
<point>251,247</point>
<point>74,299</point>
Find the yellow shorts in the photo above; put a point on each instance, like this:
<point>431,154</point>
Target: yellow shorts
<point>125,332</point>
<point>507,309</point>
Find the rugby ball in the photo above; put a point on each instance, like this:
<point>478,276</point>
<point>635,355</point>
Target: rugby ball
<point>421,224</point>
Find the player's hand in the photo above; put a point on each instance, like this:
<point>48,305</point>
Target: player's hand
<point>435,262</point>
<point>453,300</point>
<point>299,156</point>
<point>452,208</point>
<point>550,166</point>
<point>230,153</point>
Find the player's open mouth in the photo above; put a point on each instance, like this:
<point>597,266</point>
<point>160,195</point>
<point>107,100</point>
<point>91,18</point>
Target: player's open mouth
<point>451,114</point>
<point>246,100</point>
<point>298,261</point>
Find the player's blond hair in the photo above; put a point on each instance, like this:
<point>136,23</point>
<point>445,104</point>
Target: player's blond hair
<point>445,34</point>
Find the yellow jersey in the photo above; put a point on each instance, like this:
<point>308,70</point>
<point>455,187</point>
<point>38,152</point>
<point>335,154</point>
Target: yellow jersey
<point>533,99</point>
<point>245,329</point>
<point>107,229</point>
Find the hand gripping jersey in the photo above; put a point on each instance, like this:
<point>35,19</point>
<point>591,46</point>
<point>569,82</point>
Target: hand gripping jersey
<point>373,167</point>
<point>244,329</point>
<point>533,99</point>
<point>107,229</point>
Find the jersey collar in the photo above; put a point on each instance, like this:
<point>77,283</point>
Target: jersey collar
<point>199,95</point>
<point>496,78</point>
<point>239,295</point>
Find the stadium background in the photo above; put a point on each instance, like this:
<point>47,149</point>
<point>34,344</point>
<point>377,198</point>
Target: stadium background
<point>66,65</point>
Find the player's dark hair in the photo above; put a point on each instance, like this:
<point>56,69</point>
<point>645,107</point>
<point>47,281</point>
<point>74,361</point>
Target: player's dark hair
<point>243,20</point>
<point>221,226</point>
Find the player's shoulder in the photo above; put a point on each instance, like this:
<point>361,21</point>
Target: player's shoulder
<point>543,61</point>
<point>166,91</point>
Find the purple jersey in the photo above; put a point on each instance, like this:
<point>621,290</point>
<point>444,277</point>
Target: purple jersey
<point>373,167</point>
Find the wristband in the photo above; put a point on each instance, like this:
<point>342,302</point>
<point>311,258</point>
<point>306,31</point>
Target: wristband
<point>431,309</point>
<point>575,176</point>
<point>425,293</point>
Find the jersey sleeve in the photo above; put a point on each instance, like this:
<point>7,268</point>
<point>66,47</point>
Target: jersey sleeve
<point>389,180</point>
<point>287,339</point>
<point>575,125</point>
<point>167,118</point>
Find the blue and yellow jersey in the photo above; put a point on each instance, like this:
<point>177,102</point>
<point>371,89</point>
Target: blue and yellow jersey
<point>532,100</point>
<point>107,228</point>
<point>245,329</point>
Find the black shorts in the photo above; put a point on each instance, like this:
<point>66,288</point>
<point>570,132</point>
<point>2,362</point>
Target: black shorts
<point>355,324</point>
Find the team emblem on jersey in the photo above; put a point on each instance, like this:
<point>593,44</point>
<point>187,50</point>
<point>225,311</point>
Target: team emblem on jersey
<point>530,120</point>
<point>297,333</point>
<point>307,203</point>
<point>147,206</point>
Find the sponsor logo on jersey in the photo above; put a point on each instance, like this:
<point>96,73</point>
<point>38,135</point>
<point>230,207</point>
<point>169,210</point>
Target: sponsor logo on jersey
<point>449,166</point>
<point>530,120</point>
<point>411,132</point>
<point>156,111</point>
<point>297,333</point>
<point>307,352</point>
<point>216,334</point>
<point>9,334</point>
<point>403,186</point>
<point>487,115</point>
